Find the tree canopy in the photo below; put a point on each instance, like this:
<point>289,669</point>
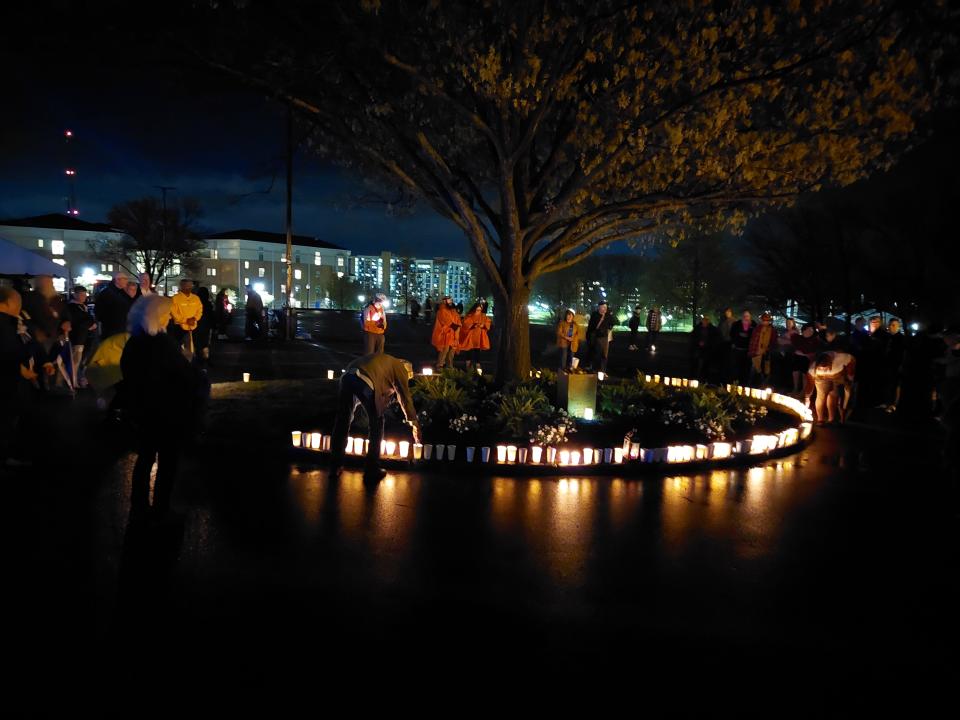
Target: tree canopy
<point>153,242</point>
<point>549,129</point>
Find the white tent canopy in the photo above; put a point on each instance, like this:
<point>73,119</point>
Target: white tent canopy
<point>15,260</point>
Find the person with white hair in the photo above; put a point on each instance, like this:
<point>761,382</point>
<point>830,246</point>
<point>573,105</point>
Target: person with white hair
<point>160,390</point>
<point>112,306</point>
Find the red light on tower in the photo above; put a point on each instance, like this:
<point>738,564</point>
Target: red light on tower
<point>68,133</point>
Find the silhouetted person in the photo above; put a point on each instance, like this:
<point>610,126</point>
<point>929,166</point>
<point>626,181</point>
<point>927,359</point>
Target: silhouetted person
<point>160,388</point>
<point>599,335</point>
<point>705,339</point>
<point>112,305</point>
<point>254,314</point>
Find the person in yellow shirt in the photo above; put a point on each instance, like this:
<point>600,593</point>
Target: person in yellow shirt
<point>186,313</point>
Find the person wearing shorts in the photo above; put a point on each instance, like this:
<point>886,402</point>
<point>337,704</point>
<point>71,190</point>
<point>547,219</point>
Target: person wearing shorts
<point>831,372</point>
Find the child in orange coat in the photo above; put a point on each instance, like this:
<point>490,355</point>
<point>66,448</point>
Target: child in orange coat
<point>475,333</point>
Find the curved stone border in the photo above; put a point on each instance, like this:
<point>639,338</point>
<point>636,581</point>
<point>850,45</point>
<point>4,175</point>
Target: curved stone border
<point>629,458</point>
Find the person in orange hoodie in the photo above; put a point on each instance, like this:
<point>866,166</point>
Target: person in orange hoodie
<point>568,339</point>
<point>374,325</point>
<point>445,332</point>
<point>474,335</point>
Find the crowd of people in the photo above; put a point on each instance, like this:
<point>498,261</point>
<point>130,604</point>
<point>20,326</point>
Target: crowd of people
<point>141,354</point>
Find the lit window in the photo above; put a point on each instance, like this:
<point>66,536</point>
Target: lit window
<point>213,288</point>
<point>56,247</point>
<point>297,274</point>
<point>40,244</point>
<point>246,281</point>
<point>316,258</point>
<point>60,284</point>
<point>211,272</point>
<point>339,262</point>
<point>283,289</point>
<point>246,264</point>
<point>110,267</point>
<point>60,261</point>
<point>103,267</point>
<point>263,272</point>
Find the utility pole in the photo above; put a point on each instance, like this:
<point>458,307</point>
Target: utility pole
<point>289,317</point>
<point>163,234</point>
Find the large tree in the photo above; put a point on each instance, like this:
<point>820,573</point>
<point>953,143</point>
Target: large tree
<point>546,130</point>
<point>153,241</point>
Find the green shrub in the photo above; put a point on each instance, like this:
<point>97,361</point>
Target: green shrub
<point>519,411</point>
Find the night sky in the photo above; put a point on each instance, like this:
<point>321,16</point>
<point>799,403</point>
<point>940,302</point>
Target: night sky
<point>140,121</point>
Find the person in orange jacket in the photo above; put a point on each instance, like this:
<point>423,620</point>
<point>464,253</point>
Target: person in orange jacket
<point>568,338</point>
<point>474,335</point>
<point>446,331</point>
<point>374,325</point>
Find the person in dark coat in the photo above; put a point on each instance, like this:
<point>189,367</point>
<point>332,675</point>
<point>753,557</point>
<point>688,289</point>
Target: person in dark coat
<point>414,310</point>
<point>654,325</point>
<point>112,305</point>
<point>599,335</point>
<point>43,307</point>
<point>201,336</point>
<point>160,391</point>
<point>13,373</point>
<point>705,340</point>
<point>254,314</point>
<point>740,333</point>
<point>427,309</point>
<point>634,325</point>
<point>374,381</point>
<point>725,350</point>
<point>892,366</point>
<point>223,311</point>
<point>82,324</point>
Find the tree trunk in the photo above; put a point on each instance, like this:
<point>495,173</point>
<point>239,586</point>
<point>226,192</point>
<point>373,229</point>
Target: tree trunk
<point>513,361</point>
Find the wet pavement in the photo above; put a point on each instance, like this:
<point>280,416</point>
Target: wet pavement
<point>826,580</point>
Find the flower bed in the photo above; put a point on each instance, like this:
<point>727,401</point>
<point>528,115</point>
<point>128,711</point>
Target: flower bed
<point>644,420</point>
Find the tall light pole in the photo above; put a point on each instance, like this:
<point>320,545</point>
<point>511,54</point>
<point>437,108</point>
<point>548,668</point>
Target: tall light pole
<point>163,232</point>
<point>289,318</point>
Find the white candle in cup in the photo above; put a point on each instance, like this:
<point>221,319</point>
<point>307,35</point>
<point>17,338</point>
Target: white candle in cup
<point>246,377</point>
<point>427,451</point>
<point>428,371</point>
<point>536,453</point>
<point>404,449</point>
<point>608,455</point>
<point>329,374</point>
<point>551,455</point>
<point>522,455</point>
<point>575,457</point>
<point>451,452</point>
<point>618,455</point>
<point>501,453</point>
<point>564,457</point>
<point>470,454</point>
<point>587,456</point>
<point>417,451</point>
<point>588,413</point>
<point>511,453</point>
<point>440,449</point>
<point>391,447</point>
<point>295,436</point>
<point>484,454</point>
<point>315,440</point>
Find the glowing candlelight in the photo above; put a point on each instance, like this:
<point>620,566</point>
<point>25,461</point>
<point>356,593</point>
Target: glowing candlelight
<point>427,371</point>
<point>511,453</point>
<point>703,452</point>
<point>295,436</point>
<point>551,455</point>
<point>404,449</point>
<point>647,378</point>
<point>564,457</point>
<point>417,451</point>
<point>686,382</point>
<point>575,457</point>
<point>349,448</point>
<point>805,430</point>
<point>656,378</point>
<point>588,413</point>
<point>383,447</point>
<point>601,376</point>
<point>634,450</point>
<point>618,455</point>
<point>694,383</point>
<point>364,445</point>
<point>587,456</point>
<point>501,453</point>
<point>666,381</point>
<point>536,453</point>
<point>479,370</point>
<point>330,374</point>
<point>315,440</point>
<point>391,447</point>
<point>325,443</point>
<point>721,450</point>
<point>246,377</point>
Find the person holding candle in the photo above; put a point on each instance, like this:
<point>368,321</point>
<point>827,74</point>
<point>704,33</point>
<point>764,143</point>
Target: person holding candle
<point>374,325</point>
<point>185,314</point>
<point>373,381</point>
<point>446,330</point>
<point>160,394</point>
<point>833,371</point>
<point>599,335</point>
<point>654,325</point>
<point>474,335</point>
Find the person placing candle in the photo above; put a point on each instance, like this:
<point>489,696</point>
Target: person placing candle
<point>374,381</point>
